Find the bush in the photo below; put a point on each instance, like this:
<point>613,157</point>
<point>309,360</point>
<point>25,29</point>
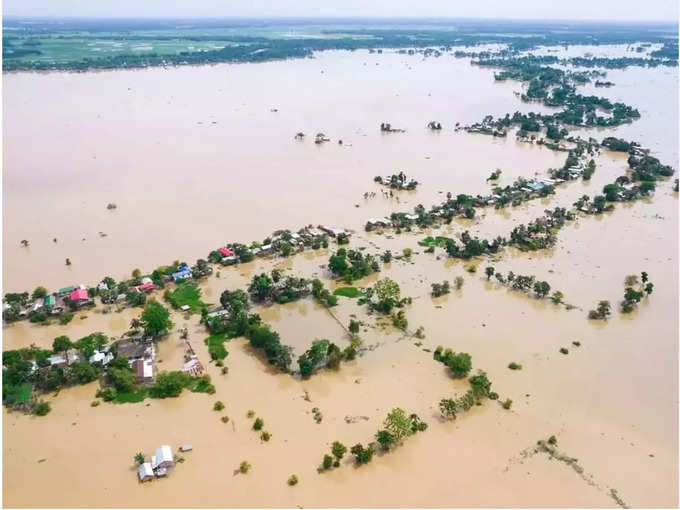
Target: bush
<point>293,480</point>
<point>94,403</point>
<point>515,366</point>
<point>362,455</point>
<point>225,419</point>
<point>250,413</point>
<point>107,394</point>
<point>42,408</point>
<point>327,462</point>
<point>65,318</point>
<point>218,406</point>
<point>244,467</point>
<point>265,436</point>
<point>507,403</point>
<point>258,424</point>
<point>564,350</point>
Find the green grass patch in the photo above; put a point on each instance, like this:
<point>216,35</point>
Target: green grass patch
<point>216,347</point>
<point>186,293</point>
<point>22,393</point>
<point>349,292</point>
<point>131,397</point>
<point>433,241</point>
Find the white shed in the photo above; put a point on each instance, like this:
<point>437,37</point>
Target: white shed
<point>145,472</point>
<point>163,458</point>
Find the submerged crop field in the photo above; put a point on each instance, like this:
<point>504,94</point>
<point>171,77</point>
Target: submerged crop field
<point>434,265</point>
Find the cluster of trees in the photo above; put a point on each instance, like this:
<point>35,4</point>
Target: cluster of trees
<point>352,264</point>
<point>324,353</point>
<point>635,291</point>
<point>121,384</point>
<point>480,388</point>
<point>602,312</point>
<point>278,354</point>
<point>384,296</point>
<point>459,363</point>
<point>472,246</point>
<point>28,371</point>
<point>398,181</point>
<point>235,323</point>
<point>553,87</point>
<point>540,233</point>
<point>338,451</point>
<point>277,289</point>
<point>439,289</point>
<point>322,294</point>
<point>523,283</point>
<point>397,426</point>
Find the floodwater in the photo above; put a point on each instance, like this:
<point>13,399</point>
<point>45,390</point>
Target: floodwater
<point>182,188</point>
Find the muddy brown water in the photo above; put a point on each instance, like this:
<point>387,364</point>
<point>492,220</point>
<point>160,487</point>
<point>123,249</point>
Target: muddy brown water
<point>134,138</point>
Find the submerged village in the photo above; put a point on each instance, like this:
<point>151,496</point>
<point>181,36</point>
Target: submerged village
<point>180,337</point>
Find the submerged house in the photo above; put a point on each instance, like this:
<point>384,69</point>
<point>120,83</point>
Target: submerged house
<point>145,472</point>
<point>182,273</point>
<point>78,298</point>
<point>146,287</point>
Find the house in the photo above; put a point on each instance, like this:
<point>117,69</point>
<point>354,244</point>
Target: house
<point>143,369</point>
<point>332,231</point>
<point>193,366</point>
<point>64,291</point>
<point>218,313</point>
<point>146,287</point>
<point>145,472</point>
<point>377,223</point>
<point>102,286</point>
<point>101,358</point>
<point>266,249</point>
<point>231,259</point>
<point>182,273</point>
<point>78,297</point>
<point>163,458</point>
<point>226,252</point>
<point>146,279</point>
<point>63,359</point>
<point>50,301</point>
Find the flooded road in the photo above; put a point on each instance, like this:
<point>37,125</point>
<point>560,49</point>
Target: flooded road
<point>183,187</point>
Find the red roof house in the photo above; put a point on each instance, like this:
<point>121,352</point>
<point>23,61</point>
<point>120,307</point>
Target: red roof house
<point>146,287</point>
<point>78,295</point>
<point>226,252</point>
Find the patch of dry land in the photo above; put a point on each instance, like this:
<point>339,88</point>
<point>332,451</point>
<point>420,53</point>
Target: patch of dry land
<point>195,157</point>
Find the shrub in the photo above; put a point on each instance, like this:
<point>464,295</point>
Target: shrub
<point>265,436</point>
<point>107,394</point>
<point>250,413</point>
<point>94,403</point>
<point>362,455</point>
<point>42,408</point>
<point>564,350</point>
<point>327,462</point>
<point>293,480</point>
<point>552,440</point>
<point>515,366</point>
<point>225,419</point>
<point>338,450</point>
<point>244,467</point>
<point>65,318</point>
<point>507,403</point>
<point>258,424</point>
<point>458,282</point>
<point>459,363</point>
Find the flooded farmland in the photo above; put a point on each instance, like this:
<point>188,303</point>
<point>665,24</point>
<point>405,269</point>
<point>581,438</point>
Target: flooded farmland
<point>195,157</point>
